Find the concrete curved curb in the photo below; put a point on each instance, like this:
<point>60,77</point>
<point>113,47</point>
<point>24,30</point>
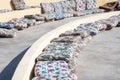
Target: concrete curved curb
<point>26,65</point>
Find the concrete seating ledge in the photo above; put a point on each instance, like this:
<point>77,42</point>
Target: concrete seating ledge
<point>23,71</point>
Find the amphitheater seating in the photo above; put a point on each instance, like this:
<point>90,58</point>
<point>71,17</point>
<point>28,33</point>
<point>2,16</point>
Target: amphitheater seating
<point>49,11</point>
<point>67,47</point>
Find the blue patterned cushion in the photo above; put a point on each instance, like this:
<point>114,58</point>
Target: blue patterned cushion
<point>91,4</point>
<point>59,15</point>
<point>47,8</point>
<point>80,5</point>
<point>58,7</point>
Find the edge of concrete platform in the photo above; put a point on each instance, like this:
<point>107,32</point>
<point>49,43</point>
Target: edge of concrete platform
<point>26,65</point>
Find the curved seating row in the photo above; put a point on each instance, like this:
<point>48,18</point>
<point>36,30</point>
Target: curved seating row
<point>67,48</point>
<point>28,60</point>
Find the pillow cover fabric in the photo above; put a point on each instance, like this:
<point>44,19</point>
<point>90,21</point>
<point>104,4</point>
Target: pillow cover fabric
<point>7,33</point>
<point>19,24</point>
<point>18,4</point>
<point>72,5</point>
<point>67,39</point>
<point>90,28</point>
<point>58,7</point>
<point>7,25</point>
<point>47,8</point>
<point>64,6</point>
<point>48,17</point>
<point>91,4</point>
<point>78,13</point>
<point>68,15</point>
<point>60,51</point>
<point>80,5</point>
<point>37,17</point>
<point>53,70</point>
<point>59,16</point>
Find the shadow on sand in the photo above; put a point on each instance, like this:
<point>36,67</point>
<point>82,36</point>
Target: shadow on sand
<point>9,70</point>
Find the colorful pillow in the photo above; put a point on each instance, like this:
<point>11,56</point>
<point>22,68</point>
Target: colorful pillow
<point>91,4</point>
<point>18,4</point>
<point>59,16</point>
<point>7,25</point>
<point>53,70</point>
<point>58,7</point>
<point>78,13</point>
<point>65,6</point>
<point>47,8</point>
<point>67,39</point>
<point>68,15</point>
<point>7,33</point>
<point>80,5</point>
<point>48,17</point>
<point>72,5</point>
<point>60,51</point>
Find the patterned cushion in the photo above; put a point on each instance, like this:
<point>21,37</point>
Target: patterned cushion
<point>65,6</point>
<point>58,7</point>
<point>75,32</point>
<point>88,11</point>
<point>77,13</point>
<point>90,28</point>
<point>18,4</point>
<point>37,17</point>
<point>47,8</point>
<point>53,70</point>
<point>59,16</point>
<point>19,24</point>
<point>7,25</point>
<point>48,17</point>
<point>7,33</point>
<point>68,15</point>
<point>98,10</point>
<point>67,39</point>
<point>60,51</point>
<point>72,5</point>
<point>80,5</point>
<point>91,4</point>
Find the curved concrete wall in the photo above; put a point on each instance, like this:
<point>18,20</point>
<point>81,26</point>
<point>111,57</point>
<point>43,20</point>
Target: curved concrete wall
<point>25,66</point>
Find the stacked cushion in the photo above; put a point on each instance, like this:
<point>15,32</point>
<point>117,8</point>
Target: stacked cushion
<point>47,8</point>
<point>18,4</point>
<point>59,51</point>
<point>7,25</point>
<point>7,33</point>
<point>91,4</point>
<point>53,70</point>
<point>80,5</point>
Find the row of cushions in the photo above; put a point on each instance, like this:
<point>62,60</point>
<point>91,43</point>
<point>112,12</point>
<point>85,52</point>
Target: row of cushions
<point>9,29</point>
<point>5,10</point>
<point>67,48</point>
<point>68,5</point>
